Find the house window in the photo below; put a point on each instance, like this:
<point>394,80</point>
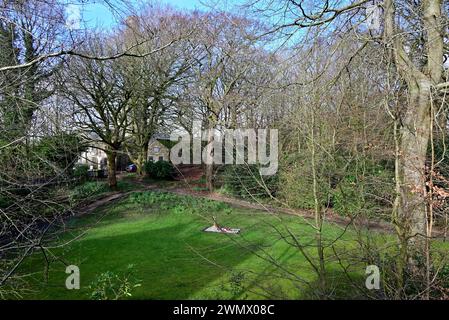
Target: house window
<point>151,159</point>
<point>156,149</point>
<point>161,158</point>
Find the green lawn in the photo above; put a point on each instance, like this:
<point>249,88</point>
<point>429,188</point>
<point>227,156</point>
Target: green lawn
<point>161,235</point>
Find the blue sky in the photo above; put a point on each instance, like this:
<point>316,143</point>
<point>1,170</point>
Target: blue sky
<point>99,14</point>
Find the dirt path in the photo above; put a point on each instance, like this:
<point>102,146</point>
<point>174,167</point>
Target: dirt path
<point>109,198</point>
<point>106,199</point>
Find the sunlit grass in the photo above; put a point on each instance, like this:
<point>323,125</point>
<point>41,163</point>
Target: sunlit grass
<point>161,234</point>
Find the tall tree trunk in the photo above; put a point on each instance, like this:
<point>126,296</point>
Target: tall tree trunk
<point>142,157</point>
<point>112,177</point>
<point>212,122</point>
<point>410,213</point>
<point>209,164</point>
<point>415,133</point>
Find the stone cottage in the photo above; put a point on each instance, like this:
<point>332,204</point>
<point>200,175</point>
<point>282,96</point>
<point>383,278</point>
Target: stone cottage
<point>158,150</point>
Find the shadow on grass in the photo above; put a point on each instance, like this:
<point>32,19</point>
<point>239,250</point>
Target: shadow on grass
<point>166,261</point>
